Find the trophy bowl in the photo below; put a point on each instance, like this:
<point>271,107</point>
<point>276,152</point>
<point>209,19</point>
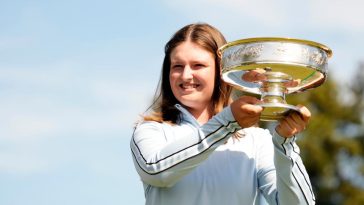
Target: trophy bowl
<point>287,65</point>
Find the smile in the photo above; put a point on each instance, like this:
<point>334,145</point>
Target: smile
<point>188,86</point>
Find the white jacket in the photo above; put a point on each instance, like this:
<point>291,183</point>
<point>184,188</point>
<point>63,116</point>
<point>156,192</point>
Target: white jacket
<point>188,164</point>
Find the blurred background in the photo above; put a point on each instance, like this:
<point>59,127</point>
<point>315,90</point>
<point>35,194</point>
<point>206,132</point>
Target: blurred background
<point>76,75</point>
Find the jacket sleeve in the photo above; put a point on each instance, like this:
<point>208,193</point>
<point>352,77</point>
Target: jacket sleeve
<point>161,162</point>
<point>287,182</point>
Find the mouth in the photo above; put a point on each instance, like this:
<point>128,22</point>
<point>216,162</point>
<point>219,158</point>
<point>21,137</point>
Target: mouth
<point>188,86</point>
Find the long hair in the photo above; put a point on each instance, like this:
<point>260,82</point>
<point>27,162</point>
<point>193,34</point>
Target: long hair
<point>207,37</point>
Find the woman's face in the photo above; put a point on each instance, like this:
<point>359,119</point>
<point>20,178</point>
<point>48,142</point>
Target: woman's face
<point>192,75</point>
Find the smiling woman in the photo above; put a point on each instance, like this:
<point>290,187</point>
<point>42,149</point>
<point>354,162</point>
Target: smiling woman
<point>185,150</point>
<point>192,79</point>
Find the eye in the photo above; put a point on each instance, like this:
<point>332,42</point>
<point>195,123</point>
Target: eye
<point>199,65</point>
<point>176,66</point>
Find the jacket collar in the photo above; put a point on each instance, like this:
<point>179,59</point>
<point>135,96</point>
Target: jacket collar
<point>187,116</point>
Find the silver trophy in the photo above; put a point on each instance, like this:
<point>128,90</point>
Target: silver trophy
<point>288,66</point>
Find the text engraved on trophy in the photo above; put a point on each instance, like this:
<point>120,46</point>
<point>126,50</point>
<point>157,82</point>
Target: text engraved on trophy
<point>281,49</point>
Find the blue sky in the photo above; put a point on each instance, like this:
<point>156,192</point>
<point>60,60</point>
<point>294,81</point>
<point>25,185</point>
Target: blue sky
<point>75,75</point>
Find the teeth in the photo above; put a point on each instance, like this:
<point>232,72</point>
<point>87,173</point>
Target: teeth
<point>189,86</point>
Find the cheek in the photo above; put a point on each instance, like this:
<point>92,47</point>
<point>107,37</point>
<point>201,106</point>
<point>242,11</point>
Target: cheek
<point>172,79</point>
<point>212,79</point>
<point>173,82</point>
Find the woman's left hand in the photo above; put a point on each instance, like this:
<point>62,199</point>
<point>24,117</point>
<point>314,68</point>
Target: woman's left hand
<point>294,123</point>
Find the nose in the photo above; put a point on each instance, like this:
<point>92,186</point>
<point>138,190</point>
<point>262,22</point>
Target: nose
<point>187,73</point>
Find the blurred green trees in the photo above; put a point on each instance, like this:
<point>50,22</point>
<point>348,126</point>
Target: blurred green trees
<point>332,145</point>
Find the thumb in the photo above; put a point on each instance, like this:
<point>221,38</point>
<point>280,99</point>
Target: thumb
<point>305,113</point>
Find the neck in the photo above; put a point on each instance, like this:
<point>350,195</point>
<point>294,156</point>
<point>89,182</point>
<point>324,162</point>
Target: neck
<point>202,115</point>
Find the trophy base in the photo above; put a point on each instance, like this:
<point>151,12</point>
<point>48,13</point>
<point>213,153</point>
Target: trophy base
<point>276,111</point>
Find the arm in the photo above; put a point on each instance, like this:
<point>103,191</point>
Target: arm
<point>162,162</point>
<point>292,181</point>
<point>286,180</point>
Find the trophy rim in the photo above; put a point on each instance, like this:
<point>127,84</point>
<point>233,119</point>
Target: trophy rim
<point>276,39</point>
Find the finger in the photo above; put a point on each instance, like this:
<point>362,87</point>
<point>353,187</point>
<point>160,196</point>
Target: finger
<point>292,124</point>
<point>296,122</point>
<point>254,75</point>
<point>249,100</point>
<point>245,107</point>
<point>285,129</point>
<point>247,120</point>
<point>252,109</point>
<point>305,113</point>
<point>292,83</point>
<point>259,70</point>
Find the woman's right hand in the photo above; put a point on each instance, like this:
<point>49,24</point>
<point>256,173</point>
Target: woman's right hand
<point>245,111</point>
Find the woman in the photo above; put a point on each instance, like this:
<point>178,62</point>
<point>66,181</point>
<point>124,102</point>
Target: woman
<point>199,147</point>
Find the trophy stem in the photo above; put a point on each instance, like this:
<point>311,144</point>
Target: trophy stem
<point>273,89</point>
<point>273,93</point>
